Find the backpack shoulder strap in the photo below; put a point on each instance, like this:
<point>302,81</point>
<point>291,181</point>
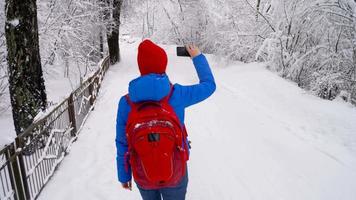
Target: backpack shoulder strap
<point>166,98</point>
<point>129,101</point>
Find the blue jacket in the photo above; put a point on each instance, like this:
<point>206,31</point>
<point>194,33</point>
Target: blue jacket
<point>155,87</point>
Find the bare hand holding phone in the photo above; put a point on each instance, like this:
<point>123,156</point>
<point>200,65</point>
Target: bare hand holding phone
<point>192,50</point>
<point>188,51</point>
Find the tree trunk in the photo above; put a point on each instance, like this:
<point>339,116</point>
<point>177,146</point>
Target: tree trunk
<point>101,44</point>
<point>26,83</point>
<point>113,32</point>
<point>258,8</point>
<point>113,44</point>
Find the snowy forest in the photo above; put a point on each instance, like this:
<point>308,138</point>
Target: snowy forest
<point>309,42</point>
<point>285,73</point>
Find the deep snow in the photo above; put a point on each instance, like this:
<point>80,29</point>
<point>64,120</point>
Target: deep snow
<point>258,137</point>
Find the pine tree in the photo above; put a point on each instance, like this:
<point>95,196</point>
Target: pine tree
<point>26,83</point>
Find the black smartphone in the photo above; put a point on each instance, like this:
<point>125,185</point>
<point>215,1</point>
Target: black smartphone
<point>182,51</point>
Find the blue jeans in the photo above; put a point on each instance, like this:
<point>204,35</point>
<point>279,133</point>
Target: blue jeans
<point>171,193</point>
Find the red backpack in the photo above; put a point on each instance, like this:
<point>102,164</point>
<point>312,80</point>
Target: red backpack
<point>156,140</point>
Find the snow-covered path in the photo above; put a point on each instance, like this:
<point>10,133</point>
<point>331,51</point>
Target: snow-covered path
<point>258,137</point>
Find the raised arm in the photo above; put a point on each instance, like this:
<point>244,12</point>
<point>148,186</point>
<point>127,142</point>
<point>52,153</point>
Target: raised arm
<point>193,94</point>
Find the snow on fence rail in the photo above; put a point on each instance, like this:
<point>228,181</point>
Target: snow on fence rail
<point>353,101</point>
<point>27,163</point>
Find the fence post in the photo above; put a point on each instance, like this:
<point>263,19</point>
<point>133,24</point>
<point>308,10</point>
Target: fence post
<point>14,184</point>
<point>91,91</point>
<point>71,113</point>
<point>20,144</point>
<point>16,173</point>
<point>96,80</point>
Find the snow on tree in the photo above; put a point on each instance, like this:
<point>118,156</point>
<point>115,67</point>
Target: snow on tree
<point>70,34</point>
<point>3,70</point>
<point>309,42</point>
<point>71,37</point>
<point>26,84</point>
<point>313,44</point>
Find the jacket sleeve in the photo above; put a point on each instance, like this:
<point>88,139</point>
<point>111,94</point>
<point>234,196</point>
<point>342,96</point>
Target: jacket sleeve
<point>193,94</point>
<point>123,167</point>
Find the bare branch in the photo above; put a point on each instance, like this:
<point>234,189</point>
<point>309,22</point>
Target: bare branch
<point>267,21</point>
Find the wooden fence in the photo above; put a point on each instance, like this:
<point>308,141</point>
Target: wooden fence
<point>27,164</point>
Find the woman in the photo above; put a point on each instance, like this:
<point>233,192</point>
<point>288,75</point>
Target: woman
<point>154,85</point>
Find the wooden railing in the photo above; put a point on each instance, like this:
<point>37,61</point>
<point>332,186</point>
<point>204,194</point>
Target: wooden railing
<point>27,163</point>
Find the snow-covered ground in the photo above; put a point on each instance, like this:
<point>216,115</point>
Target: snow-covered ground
<point>258,137</point>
